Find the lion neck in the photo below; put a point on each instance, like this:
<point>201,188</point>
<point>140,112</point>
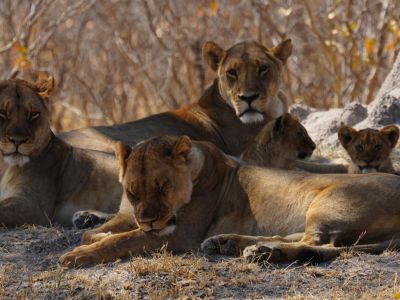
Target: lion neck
<point>267,151</point>
<point>218,118</point>
<point>210,170</point>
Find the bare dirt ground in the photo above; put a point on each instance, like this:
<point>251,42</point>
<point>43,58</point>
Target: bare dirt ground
<point>29,270</point>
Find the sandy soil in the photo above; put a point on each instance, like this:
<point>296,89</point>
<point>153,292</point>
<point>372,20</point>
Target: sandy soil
<point>29,269</point>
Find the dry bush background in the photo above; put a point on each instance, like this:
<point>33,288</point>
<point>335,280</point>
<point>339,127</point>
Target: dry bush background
<point>118,60</point>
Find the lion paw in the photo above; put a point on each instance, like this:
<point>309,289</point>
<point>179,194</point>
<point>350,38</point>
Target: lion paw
<point>88,218</point>
<point>263,252</point>
<point>220,244</point>
<point>79,257</point>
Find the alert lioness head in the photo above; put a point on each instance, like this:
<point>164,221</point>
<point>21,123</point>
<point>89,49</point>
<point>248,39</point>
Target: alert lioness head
<point>369,149</point>
<point>157,180</point>
<point>24,119</point>
<point>249,77</point>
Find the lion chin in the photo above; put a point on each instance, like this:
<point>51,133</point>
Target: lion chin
<point>165,231</point>
<point>16,160</point>
<point>251,117</point>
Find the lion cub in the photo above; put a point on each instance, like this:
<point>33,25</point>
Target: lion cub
<point>369,149</point>
<point>279,144</point>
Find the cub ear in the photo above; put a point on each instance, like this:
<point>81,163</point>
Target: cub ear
<point>44,86</point>
<point>212,54</point>
<point>182,148</point>
<point>282,122</point>
<point>391,132</point>
<point>122,152</point>
<point>283,50</point>
<point>346,135</point>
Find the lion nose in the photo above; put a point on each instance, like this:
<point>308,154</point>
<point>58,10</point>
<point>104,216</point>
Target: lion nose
<point>249,97</point>
<point>147,217</point>
<point>17,140</point>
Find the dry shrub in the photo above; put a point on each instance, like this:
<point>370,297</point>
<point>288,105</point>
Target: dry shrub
<point>119,60</point>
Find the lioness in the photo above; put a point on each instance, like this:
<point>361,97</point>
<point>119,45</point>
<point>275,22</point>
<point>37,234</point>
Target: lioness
<point>369,149</point>
<point>178,192</point>
<point>46,179</point>
<point>244,96</point>
<point>279,144</point>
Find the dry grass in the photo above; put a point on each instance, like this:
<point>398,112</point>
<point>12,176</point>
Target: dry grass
<point>29,269</point>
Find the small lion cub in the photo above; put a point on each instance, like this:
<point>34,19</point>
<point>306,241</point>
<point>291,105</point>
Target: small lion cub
<point>279,144</point>
<point>369,149</point>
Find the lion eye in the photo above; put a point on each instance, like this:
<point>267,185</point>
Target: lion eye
<point>263,70</point>
<point>231,73</point>
<point>359,148</point>
<point>131,195</point>
<point>34,116</point>
<point>3,114</point>
<point>377,147</point>
<point>163,188</point>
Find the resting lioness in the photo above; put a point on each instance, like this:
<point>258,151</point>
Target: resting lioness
<point>369,149</point>
<point>279,144</point>
<point>46,179</point>
<point>244,96</point>
<point>178,192</point>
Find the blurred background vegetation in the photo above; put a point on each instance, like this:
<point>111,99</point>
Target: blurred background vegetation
<point>119,60</point>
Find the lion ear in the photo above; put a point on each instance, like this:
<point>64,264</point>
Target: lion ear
<point>391,132</point>
<point>283,50</point>
<point>346,135</point>
<point>282,122</point>
<point>182,148</point>
<point>44,86</point>
<point>122,152</point>
<point>213,54</point>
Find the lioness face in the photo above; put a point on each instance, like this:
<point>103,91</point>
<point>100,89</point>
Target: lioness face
<point>157,181</point>
<point>293,137</point>
<point>369,148</point>
<point>249,76</point>
<point>24,120</point>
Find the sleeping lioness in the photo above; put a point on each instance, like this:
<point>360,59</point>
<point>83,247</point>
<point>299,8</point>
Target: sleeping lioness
<point>244,96</point>
<point>46,179</point>
<point>177,192</point>
<point>369,149</point>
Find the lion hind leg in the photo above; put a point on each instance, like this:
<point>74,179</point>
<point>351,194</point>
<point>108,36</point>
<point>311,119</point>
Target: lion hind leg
<point>234,244</point>
<point>303,253</point>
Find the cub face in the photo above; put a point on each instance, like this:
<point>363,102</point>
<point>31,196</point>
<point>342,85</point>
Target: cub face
<point>249,76</point>
<point>370,149</point>
<point>293,137</point>
<point>24,119</point>
<point>156,178</point>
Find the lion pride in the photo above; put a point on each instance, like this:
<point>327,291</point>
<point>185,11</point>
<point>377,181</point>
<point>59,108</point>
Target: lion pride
<point>178,192</point>
<point>49,181</point>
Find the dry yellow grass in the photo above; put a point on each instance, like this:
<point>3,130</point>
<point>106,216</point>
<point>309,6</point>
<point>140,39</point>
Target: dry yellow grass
<point>29,269</point>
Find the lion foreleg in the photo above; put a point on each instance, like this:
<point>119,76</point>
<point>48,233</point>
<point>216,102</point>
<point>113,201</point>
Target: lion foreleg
<point>16,211</point>
<point>112,247</point>
<point>119,223</point>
